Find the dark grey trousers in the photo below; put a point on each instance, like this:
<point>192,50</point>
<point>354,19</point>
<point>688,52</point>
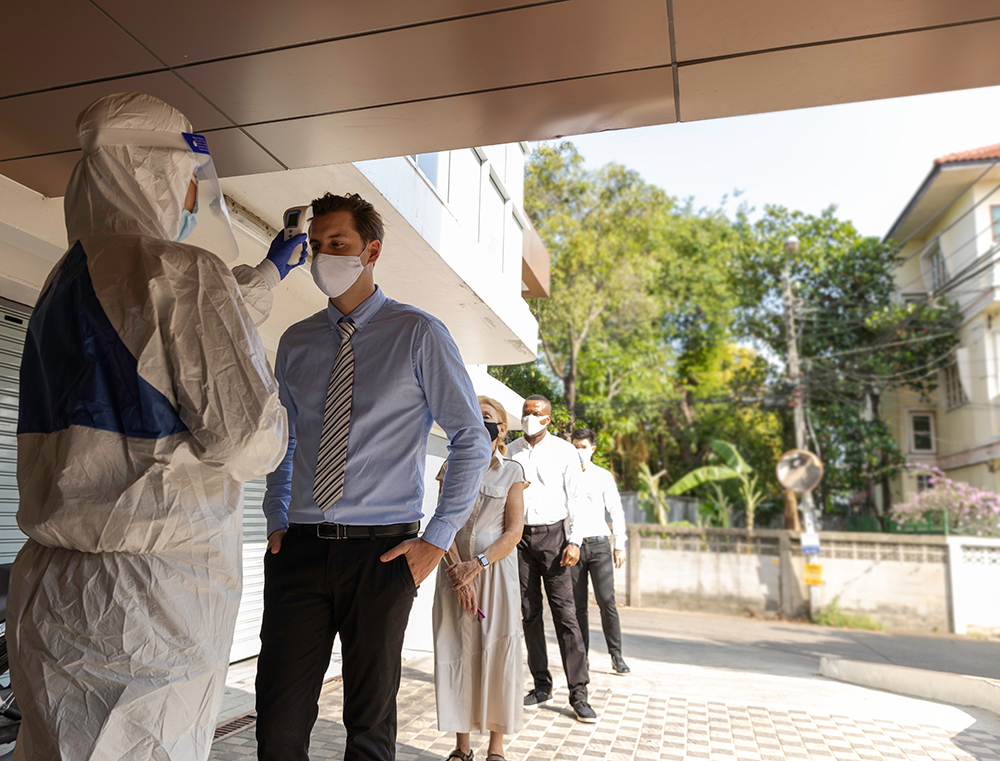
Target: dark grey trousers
<point>596,560</point>
<point>538,556</point>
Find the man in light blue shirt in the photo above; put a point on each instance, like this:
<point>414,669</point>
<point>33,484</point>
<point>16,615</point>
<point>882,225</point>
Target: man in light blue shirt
<point>369,375</point>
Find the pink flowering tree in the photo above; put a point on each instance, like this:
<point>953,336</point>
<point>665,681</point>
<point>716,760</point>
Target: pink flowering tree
<point>969,511</point>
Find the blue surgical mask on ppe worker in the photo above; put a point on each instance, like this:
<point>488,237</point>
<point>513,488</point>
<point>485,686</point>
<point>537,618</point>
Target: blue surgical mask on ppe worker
<point>188,222</point>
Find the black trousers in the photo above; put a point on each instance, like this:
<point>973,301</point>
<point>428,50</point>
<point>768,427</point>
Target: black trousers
<point>538,555</point>
<point>314,589</point>
<point>596,560</point>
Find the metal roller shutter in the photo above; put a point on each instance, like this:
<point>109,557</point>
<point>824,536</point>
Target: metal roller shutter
<point>246,640</point>
<point>13,329</point>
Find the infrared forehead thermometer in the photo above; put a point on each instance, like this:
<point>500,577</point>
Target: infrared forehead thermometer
<point>294,221</point>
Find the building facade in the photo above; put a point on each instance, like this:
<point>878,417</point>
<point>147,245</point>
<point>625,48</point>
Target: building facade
<point>950,235</point>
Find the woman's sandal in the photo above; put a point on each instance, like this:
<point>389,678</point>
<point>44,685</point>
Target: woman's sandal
<point>460,755</point>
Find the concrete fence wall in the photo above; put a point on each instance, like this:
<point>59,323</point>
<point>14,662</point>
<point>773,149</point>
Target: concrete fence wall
<point>902,581</point>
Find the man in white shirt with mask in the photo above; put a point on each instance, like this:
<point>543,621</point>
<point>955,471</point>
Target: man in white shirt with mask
<point>545,554</point>
<point>600,493</point>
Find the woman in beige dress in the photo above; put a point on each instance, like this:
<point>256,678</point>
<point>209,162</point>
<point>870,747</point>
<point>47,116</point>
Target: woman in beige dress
<point>477,609</point>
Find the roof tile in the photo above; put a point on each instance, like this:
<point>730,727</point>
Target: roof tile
<point>976,154</point>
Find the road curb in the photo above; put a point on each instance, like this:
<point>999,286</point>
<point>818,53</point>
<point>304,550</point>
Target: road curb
<point>939,686</point>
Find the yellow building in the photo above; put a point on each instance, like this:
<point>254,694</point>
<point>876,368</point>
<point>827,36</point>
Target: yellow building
<point>950,232</point>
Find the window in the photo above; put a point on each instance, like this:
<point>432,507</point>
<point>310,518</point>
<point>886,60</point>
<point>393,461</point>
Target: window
<point>923,482</point>
<point>995,220</point>
<point>491,224</point>
<point>922,432</point>
<point>428,164</point>
<point>913,297</point>
<point>939,269</point>
<point>953,392</point>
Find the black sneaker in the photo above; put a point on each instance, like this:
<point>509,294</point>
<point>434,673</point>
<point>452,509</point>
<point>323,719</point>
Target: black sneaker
<point>619,665</point>
<point>536,698</point>
<point>584,712</point>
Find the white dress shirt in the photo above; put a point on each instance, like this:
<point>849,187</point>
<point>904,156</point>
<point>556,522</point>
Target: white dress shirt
<point>601,493</point>
<point>552,470</point>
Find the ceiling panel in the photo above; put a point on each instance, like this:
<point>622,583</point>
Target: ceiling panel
<point>537,112</point>
<point>227,29</point>
<point>726,27</point>
<point>886,67</point>
<point>47,175</point>
<point>46,121</point>
<point>536,44</point>
<point>49,43</point>
<point>235,154</point>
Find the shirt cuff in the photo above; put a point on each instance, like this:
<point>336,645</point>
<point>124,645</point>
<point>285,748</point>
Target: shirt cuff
<point>439,533</point>
<point>575,538</point>
<point>277,522</point>
<point>269,271</point>
<point>620,542</point>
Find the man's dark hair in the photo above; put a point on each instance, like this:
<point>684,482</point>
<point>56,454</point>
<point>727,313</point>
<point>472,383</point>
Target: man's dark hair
<point>539,398</point>
<point>367,221</point>
<point>583,433</point>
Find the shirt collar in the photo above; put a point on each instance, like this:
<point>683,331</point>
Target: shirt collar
<point>497,459</point>
<point>362,314</point>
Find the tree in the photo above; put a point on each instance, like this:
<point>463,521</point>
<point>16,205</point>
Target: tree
<point>596,225</point>
<point>855,340</point>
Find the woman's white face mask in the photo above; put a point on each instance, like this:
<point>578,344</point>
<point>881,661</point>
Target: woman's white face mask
<point>335,274</point>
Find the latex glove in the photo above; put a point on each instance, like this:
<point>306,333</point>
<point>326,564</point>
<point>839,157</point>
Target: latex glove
<point>281,251</point>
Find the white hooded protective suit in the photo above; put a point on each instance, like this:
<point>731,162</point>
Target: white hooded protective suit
<point>146,400</point>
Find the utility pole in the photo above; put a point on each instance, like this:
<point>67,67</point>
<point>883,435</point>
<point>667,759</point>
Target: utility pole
<point>810,537</point>
<point>794,372</point>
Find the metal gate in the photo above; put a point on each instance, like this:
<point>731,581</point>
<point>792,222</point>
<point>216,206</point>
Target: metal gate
<point>13,328</point>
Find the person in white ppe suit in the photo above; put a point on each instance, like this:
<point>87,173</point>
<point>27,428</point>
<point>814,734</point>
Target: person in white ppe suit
<point>146,400</point>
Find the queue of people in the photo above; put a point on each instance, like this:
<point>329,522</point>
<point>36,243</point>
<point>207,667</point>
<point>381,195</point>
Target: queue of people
<point>146,399</point>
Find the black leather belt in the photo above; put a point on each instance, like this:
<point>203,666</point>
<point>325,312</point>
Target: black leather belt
<point>592,539</point>
<point>542,528</point>
<point>341,531</point>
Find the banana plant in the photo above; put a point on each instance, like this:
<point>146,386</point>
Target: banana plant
<point>735,467</point>
<point>650,483</point>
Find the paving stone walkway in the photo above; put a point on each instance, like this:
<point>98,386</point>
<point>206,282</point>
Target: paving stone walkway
<point>634,726</point>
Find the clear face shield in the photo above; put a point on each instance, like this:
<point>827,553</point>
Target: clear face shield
<point>213,231</point>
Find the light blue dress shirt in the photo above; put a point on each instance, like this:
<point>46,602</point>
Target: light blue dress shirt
<point>407,374</point>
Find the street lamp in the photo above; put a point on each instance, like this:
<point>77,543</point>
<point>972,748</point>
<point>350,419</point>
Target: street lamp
<point>792,245</point>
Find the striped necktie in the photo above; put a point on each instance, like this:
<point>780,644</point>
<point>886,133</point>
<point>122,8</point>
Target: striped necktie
<point>328,486</point>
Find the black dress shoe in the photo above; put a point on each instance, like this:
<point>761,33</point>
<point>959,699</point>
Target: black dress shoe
<point>536,698</point>
<point>619,665</point>
<point>584,712</point>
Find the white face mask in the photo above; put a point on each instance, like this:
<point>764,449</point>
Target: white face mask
<point>533,425</point>
<point>585,454</point>
<point>335,274</point>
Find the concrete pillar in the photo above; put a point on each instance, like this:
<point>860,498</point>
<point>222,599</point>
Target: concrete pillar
<point>786,578</point>
<point>633,597</point>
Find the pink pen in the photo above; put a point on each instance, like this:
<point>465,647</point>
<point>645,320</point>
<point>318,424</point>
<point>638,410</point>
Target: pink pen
<point>479,614</point>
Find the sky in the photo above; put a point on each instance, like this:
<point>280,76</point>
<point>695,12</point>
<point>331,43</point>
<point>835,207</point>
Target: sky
<point>866,158</point>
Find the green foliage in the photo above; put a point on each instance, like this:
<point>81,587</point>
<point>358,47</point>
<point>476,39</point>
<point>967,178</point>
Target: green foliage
<point>855,341</point>
<point>735,468</point>
<point>665,332</point>
<point>703,475</point>
<point>832,615</point>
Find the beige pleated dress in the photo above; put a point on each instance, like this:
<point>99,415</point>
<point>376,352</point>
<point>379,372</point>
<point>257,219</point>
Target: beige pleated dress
<point>478,672</point>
